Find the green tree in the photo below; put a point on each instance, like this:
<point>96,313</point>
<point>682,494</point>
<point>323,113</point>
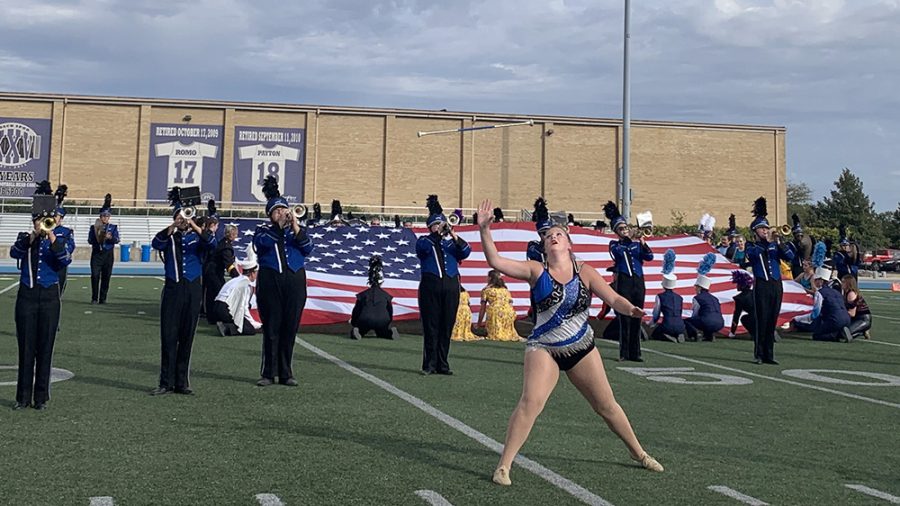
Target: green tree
<point>891,223</point>
<point>800,201</point>
<point>849,205</point>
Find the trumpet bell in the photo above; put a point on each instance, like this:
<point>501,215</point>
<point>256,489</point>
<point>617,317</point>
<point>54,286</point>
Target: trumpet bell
<point>647,231</point>
<point>48,224</point>
<point>299,211</point>
<point>453,220</point>
<point>188,213</point>
<point>785,230</point>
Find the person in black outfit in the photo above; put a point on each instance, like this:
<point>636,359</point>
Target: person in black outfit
<point>182,246</point>
<point>282,246</point>
<point>219,263</point>
<point>103,238</point>
<point>40,254</point>
<point>628,260</point>
<point>439,257</point>
<point>743,302</point>
<point>64,232</point>
<point>802,246</point>
<point>373,309</point>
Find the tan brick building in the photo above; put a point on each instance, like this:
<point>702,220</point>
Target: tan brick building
<point>367,156</point>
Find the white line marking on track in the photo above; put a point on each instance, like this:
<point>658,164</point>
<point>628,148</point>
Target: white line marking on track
<point>268,500</point>
<point>102,501</point>
<point>886,317</point>
<point>159,278</point>
<point>734,494</point>
<point>535,468</point>
<point>874,493</point>
<point>433,498</point>
<point>8,288</point>
<point>773,378</point>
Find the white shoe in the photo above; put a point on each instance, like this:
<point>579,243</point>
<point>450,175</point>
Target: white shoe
<point>649,463</point>
<point>731,334</point>
<point>501,476</point>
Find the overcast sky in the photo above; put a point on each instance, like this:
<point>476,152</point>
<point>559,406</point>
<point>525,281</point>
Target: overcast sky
<point>828,70</point>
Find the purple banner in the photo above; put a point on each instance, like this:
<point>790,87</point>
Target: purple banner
<point>185,155</point>
<point>259,152</point>
<point>24,155</point>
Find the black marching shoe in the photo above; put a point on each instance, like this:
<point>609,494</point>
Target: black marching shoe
<point>263,382</point>
<point>846,334</point>
<point>40,406</point>
<point>771,362</point>
<point>447,372</point>
<point>20,405</point>
<point>184,391</point>
<point>160,391</point>
<point>426,372</point>
<point>394,333</point>
<point>354,334</point>
<point>290,382</point>
<point>757,361</point>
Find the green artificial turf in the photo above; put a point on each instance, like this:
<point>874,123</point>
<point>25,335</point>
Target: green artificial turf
<point>340,439</point>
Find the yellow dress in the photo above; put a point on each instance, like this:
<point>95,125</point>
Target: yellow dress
<point>500,316</point>
<point>462,329</point>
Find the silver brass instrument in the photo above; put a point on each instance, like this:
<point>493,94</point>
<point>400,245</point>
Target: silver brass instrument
<point>645,223</point>
<point>453,220</point>
<point>188,213</point>
<point>300,211</point>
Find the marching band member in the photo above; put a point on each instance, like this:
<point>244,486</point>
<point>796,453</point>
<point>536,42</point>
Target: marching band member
<point>65,232</point>
<point>40,254</point>
<point>232,305</point>
<point>182,246</point>
<point>860,314</point>
<point>765,255</point>
<point>220,262</point>
<point>847,259</point>
<point>743,302</point>
<point>628,259</point>
<point>706,315</point>
<point>282,247</point>
<point>668,305</point>
<point>802,245</point>
<point>373,309</point>
<point>562,340</point>
<point>103,238</point>
<point>829,320</point>
<point>439,258</point>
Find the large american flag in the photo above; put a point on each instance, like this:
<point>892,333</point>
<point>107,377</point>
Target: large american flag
<point>337,268</point>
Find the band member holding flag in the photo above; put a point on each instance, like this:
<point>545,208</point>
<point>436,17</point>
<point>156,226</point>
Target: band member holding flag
<point>440,253</point>
<point>562,340</point>
<point>40,254</point>
<point>103,238</point>
<point>282,246</point>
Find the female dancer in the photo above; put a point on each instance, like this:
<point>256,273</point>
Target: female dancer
<point>562,340</point>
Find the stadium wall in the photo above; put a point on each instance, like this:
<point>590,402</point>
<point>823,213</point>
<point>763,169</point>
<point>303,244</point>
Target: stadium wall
<point>371,156</point>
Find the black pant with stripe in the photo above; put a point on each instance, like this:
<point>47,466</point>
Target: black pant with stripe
<point>633,289</point>
<point>178,315</point>
<point>101,271</point>
<point>438,303</point>
<point>281,298</point>
<point>767,296</point>
<point>37,316</point>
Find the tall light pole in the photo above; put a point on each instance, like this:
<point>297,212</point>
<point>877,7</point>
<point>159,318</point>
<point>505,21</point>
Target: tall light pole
<point>626,118</point>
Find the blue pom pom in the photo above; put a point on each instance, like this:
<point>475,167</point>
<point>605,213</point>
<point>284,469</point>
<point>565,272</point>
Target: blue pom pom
<point>818,256</point>
<point>706,264</point>
<point>668,261</point>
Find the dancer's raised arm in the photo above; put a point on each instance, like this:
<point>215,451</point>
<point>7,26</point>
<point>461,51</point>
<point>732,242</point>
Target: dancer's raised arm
<point>524,270</point>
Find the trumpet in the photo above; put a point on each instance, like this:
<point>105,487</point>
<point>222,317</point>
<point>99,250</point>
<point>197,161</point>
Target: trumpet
<point>188,213</point>
<point>645,223</point>
<point>785,230</point>
<point>453,220</point>
<point>299,211</point>
<point>48,224</point>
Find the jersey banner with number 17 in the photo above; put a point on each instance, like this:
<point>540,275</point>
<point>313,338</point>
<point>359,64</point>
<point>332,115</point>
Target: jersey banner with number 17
<point>260,152</point>
<point>185,155</point>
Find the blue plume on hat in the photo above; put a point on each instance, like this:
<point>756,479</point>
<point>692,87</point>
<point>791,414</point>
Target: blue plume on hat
<point>818,256</point>
<point>668,261</point>
<point>706,264</point>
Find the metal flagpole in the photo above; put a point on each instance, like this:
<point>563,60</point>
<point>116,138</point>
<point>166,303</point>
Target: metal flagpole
<point>626,118</point>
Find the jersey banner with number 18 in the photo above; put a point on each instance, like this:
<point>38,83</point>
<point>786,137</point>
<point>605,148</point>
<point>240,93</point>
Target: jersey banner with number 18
<point>261,152</point>
<point>185,155</point>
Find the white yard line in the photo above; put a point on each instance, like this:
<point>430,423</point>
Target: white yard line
<point>734,494</point>
<point>102,501</point>
<point>773,378</point>
<point>887,318</point>
<point>8,288</point>
<point>874,493</point>
<point>433,498</point>
<point>268,500</point>
<point>555,479</point>
<point>877,342</point>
